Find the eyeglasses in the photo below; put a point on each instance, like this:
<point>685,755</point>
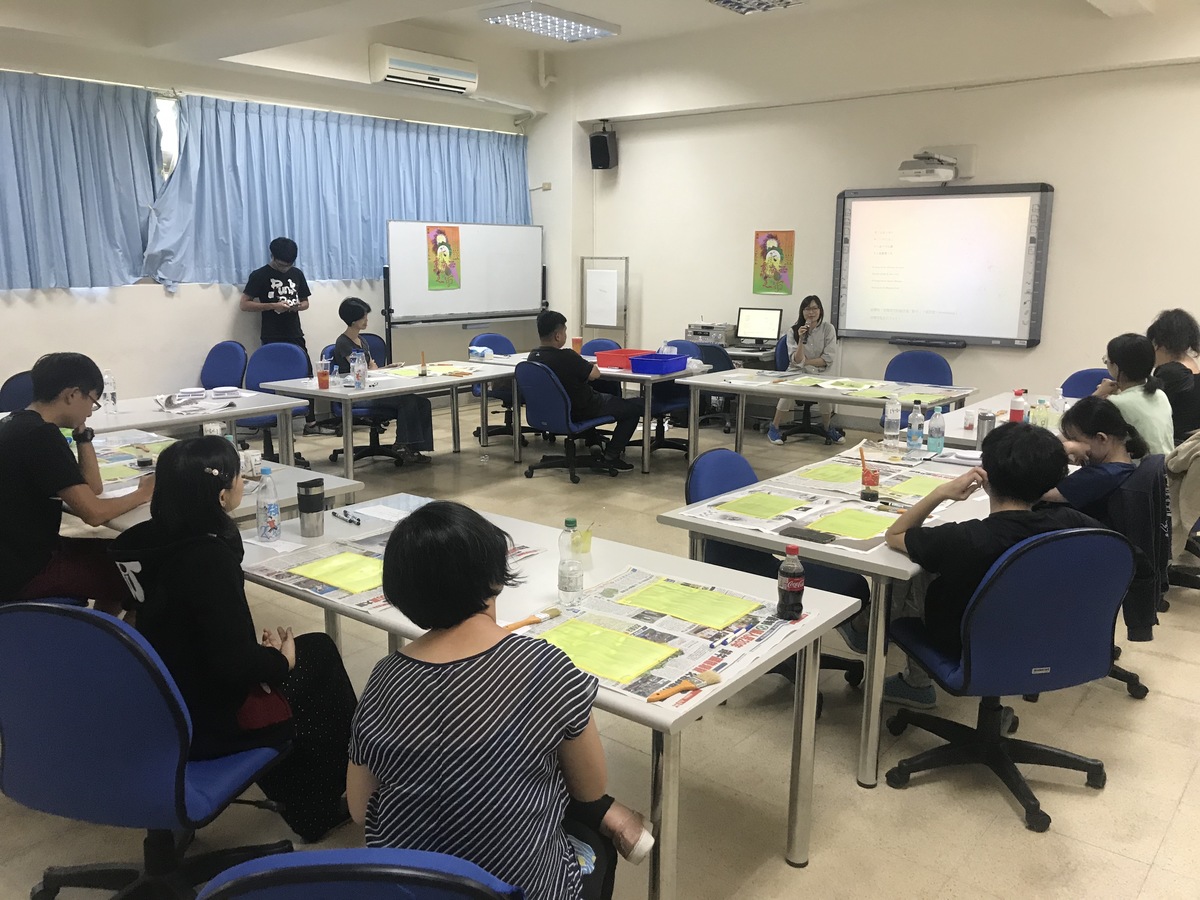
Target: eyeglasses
<point>1104,359</point>
<point>95,402</point>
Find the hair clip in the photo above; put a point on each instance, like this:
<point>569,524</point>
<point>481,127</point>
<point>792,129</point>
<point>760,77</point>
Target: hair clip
<point>208,471</point>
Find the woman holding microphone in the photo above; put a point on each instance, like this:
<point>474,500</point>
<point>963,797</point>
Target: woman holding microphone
<point>811,346</point>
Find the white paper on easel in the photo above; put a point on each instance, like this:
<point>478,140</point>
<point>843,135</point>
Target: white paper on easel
<point>602,297</point>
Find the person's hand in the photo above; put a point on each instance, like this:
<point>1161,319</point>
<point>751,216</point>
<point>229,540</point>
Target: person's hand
<point>963,486</point>
<point>287,646</point>
<point>1106,388</point>
<point>271,639</point>
<point>145,488</point>
<point>804,329</point>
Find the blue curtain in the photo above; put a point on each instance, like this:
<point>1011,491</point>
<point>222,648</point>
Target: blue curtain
<point>78,170</point>
<point>250,172</point>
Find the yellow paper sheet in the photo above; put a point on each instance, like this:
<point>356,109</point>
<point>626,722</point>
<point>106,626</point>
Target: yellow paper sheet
<point>875,393</point>
<point>712,609</point>
<point>833,473</point>
<point>850,384</point>
<point>806,381</point>
<point>348,571</point>
<point>607,653</point>
<point>917,485</point>
<point>853,523</point>
<point>926,399</point>
<point>761,506</point>
<point>430,369</point>
<point>117,472</point>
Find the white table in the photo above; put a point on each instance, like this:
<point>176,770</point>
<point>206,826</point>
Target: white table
<point>381,384</point>
<point>774,385</point>
<point>539,590</point>
<point>144,414</point>
<point>883,566</point>
<point>957,436</point>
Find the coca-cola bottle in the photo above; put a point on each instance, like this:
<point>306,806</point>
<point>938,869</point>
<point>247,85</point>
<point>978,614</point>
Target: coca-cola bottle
<point>791,585</point>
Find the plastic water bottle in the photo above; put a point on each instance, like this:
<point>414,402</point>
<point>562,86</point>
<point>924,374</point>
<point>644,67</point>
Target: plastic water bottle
<point>267,508</point>
<point>891,423</point>
<point>937,431</point>
<point>916,428</point>
<point>1057,407</point>
<point>108,399</point>
<point>1017,406</point>
<point>358,367</point>
<point>1040,414</point>
<point>570,566</point>
<point>791,585</point>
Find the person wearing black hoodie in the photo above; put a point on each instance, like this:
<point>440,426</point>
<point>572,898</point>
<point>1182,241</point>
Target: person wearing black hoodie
<point>184,570</point>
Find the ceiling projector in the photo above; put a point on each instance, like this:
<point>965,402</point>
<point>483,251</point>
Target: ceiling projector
<point>928,168</point>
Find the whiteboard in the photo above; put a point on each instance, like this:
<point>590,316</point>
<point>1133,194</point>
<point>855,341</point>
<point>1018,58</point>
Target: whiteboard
<point>498,273</point>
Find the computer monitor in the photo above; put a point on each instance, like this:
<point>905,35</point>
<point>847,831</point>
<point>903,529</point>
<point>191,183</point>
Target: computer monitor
<point>760,326</point>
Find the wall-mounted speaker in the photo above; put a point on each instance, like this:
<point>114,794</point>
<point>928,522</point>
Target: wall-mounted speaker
<point>604,149</point>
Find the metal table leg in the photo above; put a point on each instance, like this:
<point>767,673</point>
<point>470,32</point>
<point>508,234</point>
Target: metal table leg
<point>664,812</point>
<point>455,437</point>
<point>483,414</point>
<point>740,429</point>
<point>395,642</point>
<point>347,439</point>
<point>693,421</point>
<point>516,420</point>
<point>647,426</point>
<point>333,627</point>
<point>287,446</point>
<point>804,728</point>
<point>695,545</point>
<point>868,745</point>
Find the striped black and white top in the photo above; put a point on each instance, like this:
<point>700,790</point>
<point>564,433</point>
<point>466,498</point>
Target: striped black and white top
<point>466,755</point>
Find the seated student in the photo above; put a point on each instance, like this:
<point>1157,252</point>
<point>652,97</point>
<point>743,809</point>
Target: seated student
<point>1099,439</point>
<point>40,474</point>
<point>412,414</point>
<point>475,741</point>
<point>1136,392</point>
<point>184,566</point>
<point>575,372</point>
<point>812,346</point>
<point>1176,339</point>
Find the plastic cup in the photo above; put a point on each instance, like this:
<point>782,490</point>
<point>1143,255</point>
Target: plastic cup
<point>870,477</point>
<point>323,375</point>
<point>577,344</point>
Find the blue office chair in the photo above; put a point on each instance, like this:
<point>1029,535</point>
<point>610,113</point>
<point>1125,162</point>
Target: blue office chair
<point>714,405</point>
<point>377,347</point>
<point>589,349</point>
<point>805,424</point>
<point>363,415</point>
<point>17,392</point>
<point>111,750</point>
<point>669,399</point>
<point>502,346</point>
<point>1042,619</point>
<point>225,366</point>
<point>548,409</point>
<point>1083,383</point>
<point>917,367</point>
<point>274,362</point>
<point>719,471</point>
<point>359,874</point>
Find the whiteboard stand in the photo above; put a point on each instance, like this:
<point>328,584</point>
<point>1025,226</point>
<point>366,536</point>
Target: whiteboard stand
<point>604,292</point>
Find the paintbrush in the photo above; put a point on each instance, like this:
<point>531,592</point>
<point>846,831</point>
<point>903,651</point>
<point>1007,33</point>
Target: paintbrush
<point>705,679</point>
<point>551,613</point>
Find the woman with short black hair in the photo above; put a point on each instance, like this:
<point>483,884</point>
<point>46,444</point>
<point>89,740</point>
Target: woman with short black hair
<point>1175,336</point>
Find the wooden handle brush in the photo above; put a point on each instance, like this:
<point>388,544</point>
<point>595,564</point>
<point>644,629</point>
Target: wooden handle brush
<point>551,613</point>
<point>705,678</point>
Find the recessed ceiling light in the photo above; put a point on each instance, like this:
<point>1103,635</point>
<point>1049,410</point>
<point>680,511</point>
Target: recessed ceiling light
<point>744,7</point>
<point>547,21</point>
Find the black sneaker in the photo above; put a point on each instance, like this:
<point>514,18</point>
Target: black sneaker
<point>615,462</point>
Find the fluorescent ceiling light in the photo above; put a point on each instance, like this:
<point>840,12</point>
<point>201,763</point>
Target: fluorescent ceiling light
<point>538,18</point>
<point>744,7</point>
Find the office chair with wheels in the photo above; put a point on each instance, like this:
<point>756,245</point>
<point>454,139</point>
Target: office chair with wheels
<point>714,355</point>
<point>805,424</point>
<point>917,367</point>
<point>364,873</point>
<point>548,409</point>
<point>16,392</point>
<point>1042,619</point>
<point>377,347</point>
<point>668,400</point>
<point>225,366</point>
<point>501,345</point>
<point>589,349</point>
<point>366,415</point>
<point>111,750</point>
<point>718,471</point>
<point>1083,383</point>
<point>274,362</point>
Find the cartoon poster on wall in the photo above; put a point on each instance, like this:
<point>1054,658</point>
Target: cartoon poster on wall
<point>773,254</point>
<point>442,251</point>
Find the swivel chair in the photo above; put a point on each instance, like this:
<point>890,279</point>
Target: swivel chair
<point>366,415</point>
<point>668,399</point>
<point>548,409</point>
<point>274,362</point>
<point>917,367</point>
<point>714,405</point>
<point>589,349</point>
<point>805,424</point>
<point>16,393</point>
<point>498,343</point>
<point>225,366</point>
<point>1083,383</point>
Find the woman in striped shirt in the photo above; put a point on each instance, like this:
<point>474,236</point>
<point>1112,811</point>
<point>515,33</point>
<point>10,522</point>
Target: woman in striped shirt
<point>477,742</point>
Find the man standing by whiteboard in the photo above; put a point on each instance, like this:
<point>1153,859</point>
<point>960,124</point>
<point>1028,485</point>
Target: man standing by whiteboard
<point>279,291</point>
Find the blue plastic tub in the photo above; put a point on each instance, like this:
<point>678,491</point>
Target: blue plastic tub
<point>658,364</point>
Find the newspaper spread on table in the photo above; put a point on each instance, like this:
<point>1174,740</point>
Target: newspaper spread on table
<point>765,506</point>
<point>278,569</point>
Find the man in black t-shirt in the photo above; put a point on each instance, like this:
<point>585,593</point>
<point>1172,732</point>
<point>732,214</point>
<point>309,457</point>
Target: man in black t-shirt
<point>40,473</point>
<point>279,291</point>
<point>576,373</point>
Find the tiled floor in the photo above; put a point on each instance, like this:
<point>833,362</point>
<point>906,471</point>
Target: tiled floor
<point>952,834</point>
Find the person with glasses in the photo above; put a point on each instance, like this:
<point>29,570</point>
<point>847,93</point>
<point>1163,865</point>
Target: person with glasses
<point>39,473</point>
<point>1137,392</point>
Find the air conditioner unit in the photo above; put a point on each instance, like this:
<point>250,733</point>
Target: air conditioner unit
<point>422,70</point>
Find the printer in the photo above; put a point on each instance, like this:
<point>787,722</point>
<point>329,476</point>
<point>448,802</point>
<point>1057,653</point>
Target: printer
<point>720,333</point>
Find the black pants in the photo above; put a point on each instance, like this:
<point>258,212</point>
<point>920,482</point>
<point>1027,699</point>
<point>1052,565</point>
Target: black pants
<point>582,821</point>
<point>311,415</point>
<point>627,413</point>
<point>311,780</point>
<point>413,416</point>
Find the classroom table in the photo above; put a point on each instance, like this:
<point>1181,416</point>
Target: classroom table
<point>145,414</point>
<point>539,591</point>
<point>882,566</point>
<point>381,384</point>
<point>773,385</point>
<point>960,437</point>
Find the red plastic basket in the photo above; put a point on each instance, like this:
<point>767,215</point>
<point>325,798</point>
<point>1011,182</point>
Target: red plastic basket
<point>618,359</point>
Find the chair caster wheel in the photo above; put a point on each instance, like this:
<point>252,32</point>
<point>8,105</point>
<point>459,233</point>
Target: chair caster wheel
<point>333,457</point>
<point>574,479</point>
<point>397,463</point>
<point>612,473</point>
<point>895,727</point>
<point>1116,653</point>
<point>728,430</point>
<point>551,438</point>
<point>1014,724</point>
<point>1097,780</point>
<point>1138,691</point>
<point>853,676</point>
<point>42,893</point>
<point>1164,605</point>
<point>1036,820</point>
<point>529,472</point>
<point>896,778</point>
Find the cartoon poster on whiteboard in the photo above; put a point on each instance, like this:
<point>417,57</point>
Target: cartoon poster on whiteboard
<point>442,252</point>
<point>773,255</point>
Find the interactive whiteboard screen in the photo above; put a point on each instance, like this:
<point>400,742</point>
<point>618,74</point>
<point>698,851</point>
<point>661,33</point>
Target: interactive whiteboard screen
<point>943,265</point>
<point>442,272</point>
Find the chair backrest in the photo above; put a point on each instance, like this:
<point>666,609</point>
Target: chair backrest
<point>377,347</point>
<point>364,873</point>
<point>1083,383</point>
<point>716,471</point>
<point>16,392</point>
<point>94,728</point>
<point>327,352</point>
<point>547,406</point>
<point>590,348</point>
<point>1140,510</point>
<point>686,348</point>
<point>497,343</point>
<point>1043,616</point>
<point>714,355</point>
<point>275,362</point>
<point>782,363</point>
<point>919,367</point>
<point>225,366</point>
